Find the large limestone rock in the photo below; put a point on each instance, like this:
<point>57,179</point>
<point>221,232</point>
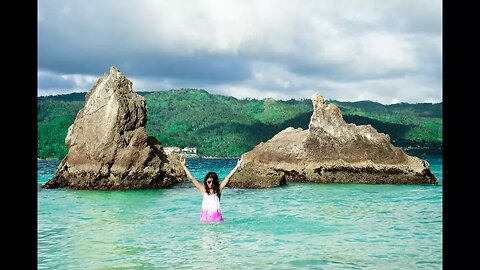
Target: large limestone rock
<point>108,147</point>
<point>330,151</point>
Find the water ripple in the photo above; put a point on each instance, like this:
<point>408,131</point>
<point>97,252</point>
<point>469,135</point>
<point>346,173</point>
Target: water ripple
<point>310,226</point>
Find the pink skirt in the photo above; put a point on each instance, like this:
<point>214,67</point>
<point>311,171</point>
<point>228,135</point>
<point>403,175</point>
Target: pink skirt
<point>210,216</point>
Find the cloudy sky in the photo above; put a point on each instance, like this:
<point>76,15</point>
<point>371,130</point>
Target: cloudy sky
<point>385,51</point>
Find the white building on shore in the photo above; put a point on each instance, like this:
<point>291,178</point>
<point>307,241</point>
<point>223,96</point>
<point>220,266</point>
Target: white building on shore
<point>171,149</point>
<point>189,150</point>
<point>183,151</point>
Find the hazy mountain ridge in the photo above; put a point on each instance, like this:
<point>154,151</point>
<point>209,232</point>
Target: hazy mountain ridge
<point>225,126</point>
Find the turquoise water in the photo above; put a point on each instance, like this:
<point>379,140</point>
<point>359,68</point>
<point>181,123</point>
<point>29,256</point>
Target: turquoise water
<point>310,226</point>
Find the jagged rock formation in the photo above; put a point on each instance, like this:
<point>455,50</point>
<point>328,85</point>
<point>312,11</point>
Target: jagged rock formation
<point>330,151</point>
<point>108,147</point>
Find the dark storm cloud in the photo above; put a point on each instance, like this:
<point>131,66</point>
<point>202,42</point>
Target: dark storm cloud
<point>61,52</point>
<point>53,81</point>
<point>380,50</point>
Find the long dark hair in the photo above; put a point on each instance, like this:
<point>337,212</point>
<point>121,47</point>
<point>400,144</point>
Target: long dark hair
<point>216,185</point>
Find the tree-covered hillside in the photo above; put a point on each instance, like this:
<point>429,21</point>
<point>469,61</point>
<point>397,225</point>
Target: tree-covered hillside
<point>225,126</point>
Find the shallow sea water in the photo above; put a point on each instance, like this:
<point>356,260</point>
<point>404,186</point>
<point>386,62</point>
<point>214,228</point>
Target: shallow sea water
<point>309,226</point>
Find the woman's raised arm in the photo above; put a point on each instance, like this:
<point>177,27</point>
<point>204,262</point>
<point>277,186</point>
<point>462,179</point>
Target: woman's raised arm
<point>199,186</point>
<point>225,181</point>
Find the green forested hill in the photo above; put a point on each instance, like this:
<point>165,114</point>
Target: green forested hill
<point>226,126</point>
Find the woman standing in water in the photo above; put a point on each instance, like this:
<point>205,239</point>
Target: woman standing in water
<point>211,191</point>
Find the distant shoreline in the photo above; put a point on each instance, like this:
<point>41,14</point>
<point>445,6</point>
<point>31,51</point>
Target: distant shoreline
<point>422,156</point>
<point>205,157</point>
<point>209,157</point>
<point>192,157</point>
